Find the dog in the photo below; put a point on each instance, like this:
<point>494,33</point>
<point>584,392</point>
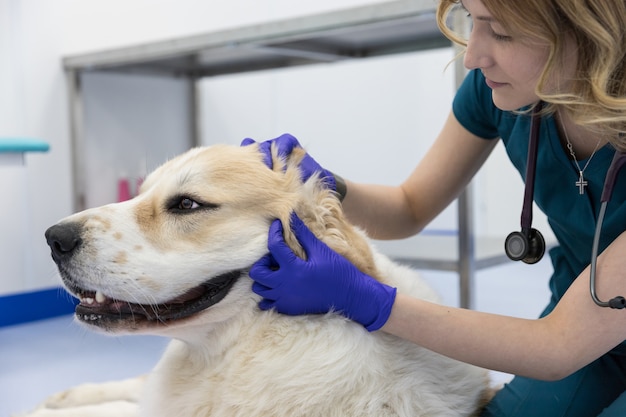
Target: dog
<point>174,262</point>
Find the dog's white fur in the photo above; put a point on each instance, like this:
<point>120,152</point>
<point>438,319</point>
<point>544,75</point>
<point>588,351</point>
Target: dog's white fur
<point>233,359</point>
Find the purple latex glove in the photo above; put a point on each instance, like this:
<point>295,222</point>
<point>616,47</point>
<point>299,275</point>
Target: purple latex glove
<point>325,281</point>
<point>285,144</point>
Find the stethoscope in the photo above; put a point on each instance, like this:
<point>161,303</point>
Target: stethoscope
<point>528,245</point>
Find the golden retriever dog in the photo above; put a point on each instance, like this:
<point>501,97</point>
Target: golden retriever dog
<point>174,261</point>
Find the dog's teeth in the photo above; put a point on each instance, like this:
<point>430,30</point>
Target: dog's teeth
<point>87,300</point>
<point>100,298</point>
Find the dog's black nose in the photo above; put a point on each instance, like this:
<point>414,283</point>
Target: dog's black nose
<point>63,239</point>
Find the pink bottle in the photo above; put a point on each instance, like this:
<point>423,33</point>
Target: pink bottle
<point>123,190</point>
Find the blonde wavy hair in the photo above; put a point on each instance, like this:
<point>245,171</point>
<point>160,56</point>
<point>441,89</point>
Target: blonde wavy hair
<point>596,98</point>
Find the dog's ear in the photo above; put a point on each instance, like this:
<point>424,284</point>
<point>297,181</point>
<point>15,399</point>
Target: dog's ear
<point>319,208</point>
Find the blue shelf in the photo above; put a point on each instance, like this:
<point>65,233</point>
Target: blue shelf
<point>22,145</point>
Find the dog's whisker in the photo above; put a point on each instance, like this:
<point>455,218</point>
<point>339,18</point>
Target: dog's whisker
<point>152,304</point>
<point>149,304</point>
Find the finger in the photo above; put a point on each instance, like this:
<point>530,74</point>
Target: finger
<point>267,261</point>
<point>262,290</point>
<point>310,243</point>
<point>262,271</point>
<point>279,249</point>
<point>264,148</point>
<point>285,144</point>
<point>266,304</point>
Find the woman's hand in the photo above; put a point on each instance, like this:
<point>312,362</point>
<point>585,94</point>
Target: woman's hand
<point>326,281</point>
<point>285,144</point>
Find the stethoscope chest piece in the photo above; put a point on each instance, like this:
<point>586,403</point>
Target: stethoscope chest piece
<point>527,246</point>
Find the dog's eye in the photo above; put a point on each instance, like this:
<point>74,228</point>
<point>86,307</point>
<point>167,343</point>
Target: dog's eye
<point>187,203</point>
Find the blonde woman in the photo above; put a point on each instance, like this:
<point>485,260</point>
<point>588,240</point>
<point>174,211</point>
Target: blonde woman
<point>569,56</point>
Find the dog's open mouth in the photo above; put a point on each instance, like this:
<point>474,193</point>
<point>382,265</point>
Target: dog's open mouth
<point>96,309</point>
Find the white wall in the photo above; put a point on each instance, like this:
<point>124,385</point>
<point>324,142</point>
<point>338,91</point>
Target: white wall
<point>370,120</point>
<point>133,125</point>
<point>32,104</point>
<point>334,109</point>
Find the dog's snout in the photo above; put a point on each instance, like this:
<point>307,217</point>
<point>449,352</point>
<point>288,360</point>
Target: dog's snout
<point>63,239</point>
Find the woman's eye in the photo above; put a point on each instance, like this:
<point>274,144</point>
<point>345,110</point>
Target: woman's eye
<point>187,204</point>
<point>501,38</point>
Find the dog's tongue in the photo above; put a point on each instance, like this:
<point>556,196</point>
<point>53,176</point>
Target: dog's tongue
<point>189,295</point>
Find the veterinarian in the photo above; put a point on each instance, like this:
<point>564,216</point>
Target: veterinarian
<point>564,61</point>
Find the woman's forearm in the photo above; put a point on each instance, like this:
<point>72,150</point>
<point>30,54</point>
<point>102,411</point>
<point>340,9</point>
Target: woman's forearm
<point>573,335</point>
<point>381,210</point>
<point>506,344</point>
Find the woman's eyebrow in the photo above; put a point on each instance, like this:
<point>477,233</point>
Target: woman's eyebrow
<point>488,19</point>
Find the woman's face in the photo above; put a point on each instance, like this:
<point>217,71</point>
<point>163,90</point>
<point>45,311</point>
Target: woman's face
<point>511,67</point>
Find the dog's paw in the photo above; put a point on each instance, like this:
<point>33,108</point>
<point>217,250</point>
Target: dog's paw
<point>118,398</point>
<point>127,390</point>
<point>108,409</point>
<point>81,395</point>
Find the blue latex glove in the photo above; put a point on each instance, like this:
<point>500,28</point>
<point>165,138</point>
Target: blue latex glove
<point>285,144</point>
<point>325,281</point>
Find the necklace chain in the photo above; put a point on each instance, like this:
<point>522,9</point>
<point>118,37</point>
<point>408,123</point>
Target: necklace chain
<point>581,183</point>
<point>571,151</point>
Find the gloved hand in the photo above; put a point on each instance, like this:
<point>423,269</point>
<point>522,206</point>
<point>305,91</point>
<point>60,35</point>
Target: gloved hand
<point>285,144</point>
<point>325,281</point>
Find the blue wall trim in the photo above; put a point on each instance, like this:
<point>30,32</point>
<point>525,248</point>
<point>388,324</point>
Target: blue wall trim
<point>36,305</point>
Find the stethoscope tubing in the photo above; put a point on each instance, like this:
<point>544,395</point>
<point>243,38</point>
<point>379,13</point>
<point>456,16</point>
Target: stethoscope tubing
<point>617,163</point>
<point>531,168</point>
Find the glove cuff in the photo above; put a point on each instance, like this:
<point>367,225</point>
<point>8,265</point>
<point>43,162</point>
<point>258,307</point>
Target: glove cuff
<point>340,186</point>
<point>388,296</point>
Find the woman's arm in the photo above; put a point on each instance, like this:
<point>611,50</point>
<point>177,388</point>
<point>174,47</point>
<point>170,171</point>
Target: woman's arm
<point>393,212</point>
<point>573,335</point>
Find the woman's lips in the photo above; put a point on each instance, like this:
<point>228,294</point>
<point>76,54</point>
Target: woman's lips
<point>493,84</point>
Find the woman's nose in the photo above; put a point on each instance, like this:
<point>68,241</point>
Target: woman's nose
<point>477,54</point>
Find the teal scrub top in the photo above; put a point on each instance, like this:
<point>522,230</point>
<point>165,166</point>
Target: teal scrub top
<point>571,216</point>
